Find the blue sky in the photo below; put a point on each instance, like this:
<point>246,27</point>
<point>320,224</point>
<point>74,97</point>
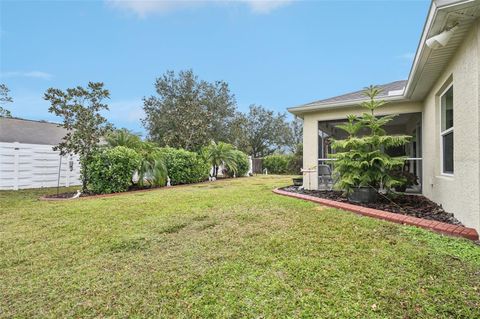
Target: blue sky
<point>277,54</point>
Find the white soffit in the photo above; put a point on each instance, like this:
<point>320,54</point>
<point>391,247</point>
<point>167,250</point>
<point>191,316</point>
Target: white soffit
<point>429,64</point>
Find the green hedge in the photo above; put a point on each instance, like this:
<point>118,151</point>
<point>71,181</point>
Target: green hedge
<point>283,164</point>
<point>277,163</point>
<point>111,170</point>
<point>184,167</point>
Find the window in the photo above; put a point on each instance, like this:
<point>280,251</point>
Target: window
<point>446,132</point>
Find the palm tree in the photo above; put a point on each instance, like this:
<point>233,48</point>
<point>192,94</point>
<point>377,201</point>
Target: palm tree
<point>124,137</point>
<point>220,154</point>
<point>152,167</point>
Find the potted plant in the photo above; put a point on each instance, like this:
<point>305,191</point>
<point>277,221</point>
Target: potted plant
<point>297,181</point>
<point>361,161</point>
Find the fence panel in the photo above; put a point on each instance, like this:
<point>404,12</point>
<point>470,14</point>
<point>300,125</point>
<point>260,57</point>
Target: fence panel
<point>34,166</point>
<point>257,165</point>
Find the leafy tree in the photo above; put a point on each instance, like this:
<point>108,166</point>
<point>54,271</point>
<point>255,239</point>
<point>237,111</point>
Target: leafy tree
<point>187,112</point>
<point>237,132</point>
<point>80,110</point>
<point>4,99</point>
<point>361,159</point>
<point>265,132</point>
<point>297,133</point>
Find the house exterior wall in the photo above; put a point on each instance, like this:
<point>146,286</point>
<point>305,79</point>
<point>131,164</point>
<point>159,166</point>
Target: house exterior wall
<point>460,193</point>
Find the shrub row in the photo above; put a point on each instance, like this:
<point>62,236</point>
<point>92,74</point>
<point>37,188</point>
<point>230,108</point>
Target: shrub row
<point>111,170</point>
<point>283,164</point>
<point>184,167</point>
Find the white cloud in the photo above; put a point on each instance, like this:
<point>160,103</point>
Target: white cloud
<point>142,8</point>
<point>266,6</point>
<point>126,114</point>
<point>407,56</point>
<point>126,111</point>
<point>29,74</point>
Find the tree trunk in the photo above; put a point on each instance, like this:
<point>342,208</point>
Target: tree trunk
<point>83,172</point>
<point>84,178</point>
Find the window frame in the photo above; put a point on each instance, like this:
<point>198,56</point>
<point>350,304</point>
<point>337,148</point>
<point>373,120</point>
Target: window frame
<point>446,132</point>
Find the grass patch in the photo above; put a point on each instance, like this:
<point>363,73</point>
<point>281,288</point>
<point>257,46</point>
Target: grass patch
<point>230,248</point>
<point>169,229</point>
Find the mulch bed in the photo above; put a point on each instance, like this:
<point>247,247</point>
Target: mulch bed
<point>69,195</point>
<point>131,189</point>
<point>61,195</point>
<point>404,204</point>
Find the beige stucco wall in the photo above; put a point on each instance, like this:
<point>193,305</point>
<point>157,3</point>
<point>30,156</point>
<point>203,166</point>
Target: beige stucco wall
<point>459,194</point>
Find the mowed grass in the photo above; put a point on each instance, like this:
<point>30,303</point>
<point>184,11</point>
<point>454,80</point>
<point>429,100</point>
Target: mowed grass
<point>227,249</point>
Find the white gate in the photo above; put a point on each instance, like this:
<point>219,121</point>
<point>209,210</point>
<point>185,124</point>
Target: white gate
<point>34,166</point>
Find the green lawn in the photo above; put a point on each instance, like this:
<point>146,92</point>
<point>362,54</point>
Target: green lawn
<point>225,249</point>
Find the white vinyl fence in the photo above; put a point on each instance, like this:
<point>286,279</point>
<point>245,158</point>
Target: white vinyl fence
<point>34,166</point>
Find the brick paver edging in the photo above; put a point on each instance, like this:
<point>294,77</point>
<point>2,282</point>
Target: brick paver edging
<point>444,228</point>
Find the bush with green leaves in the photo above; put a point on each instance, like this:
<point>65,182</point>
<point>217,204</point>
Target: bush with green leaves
<point>277,163</point>
<point>361,160</point>
<point>184,167</point>
<point>295,164</point>
<point>152,169</point>
<point>111,170</point>
<point>241,164</point>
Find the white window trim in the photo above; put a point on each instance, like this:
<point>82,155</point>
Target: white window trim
<point>445,132</point>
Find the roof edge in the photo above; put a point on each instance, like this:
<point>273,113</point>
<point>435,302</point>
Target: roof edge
<point>305,108</point>
<point>421,54</point>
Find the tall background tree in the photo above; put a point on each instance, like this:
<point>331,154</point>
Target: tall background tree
<point>297,133</point>
<point>4,99</point>
<point>80,110</point>
<point>190,113</point>
<point>187,112</point>
<point>265,132</point>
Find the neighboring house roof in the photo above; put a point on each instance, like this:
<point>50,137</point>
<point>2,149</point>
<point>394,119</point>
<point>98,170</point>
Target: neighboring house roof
<point>428,63</point>
<point>30,132</point>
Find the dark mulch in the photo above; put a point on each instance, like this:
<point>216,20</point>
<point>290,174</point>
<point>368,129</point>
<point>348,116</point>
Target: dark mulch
<point>61,195</point>
<point>71,194</point>
<point>405,204</point>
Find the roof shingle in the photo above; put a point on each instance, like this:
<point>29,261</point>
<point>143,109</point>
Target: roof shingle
<point>30,132</point>
<point>358,95</point>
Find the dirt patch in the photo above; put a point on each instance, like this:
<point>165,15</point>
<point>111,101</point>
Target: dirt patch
<point>404,204</point>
